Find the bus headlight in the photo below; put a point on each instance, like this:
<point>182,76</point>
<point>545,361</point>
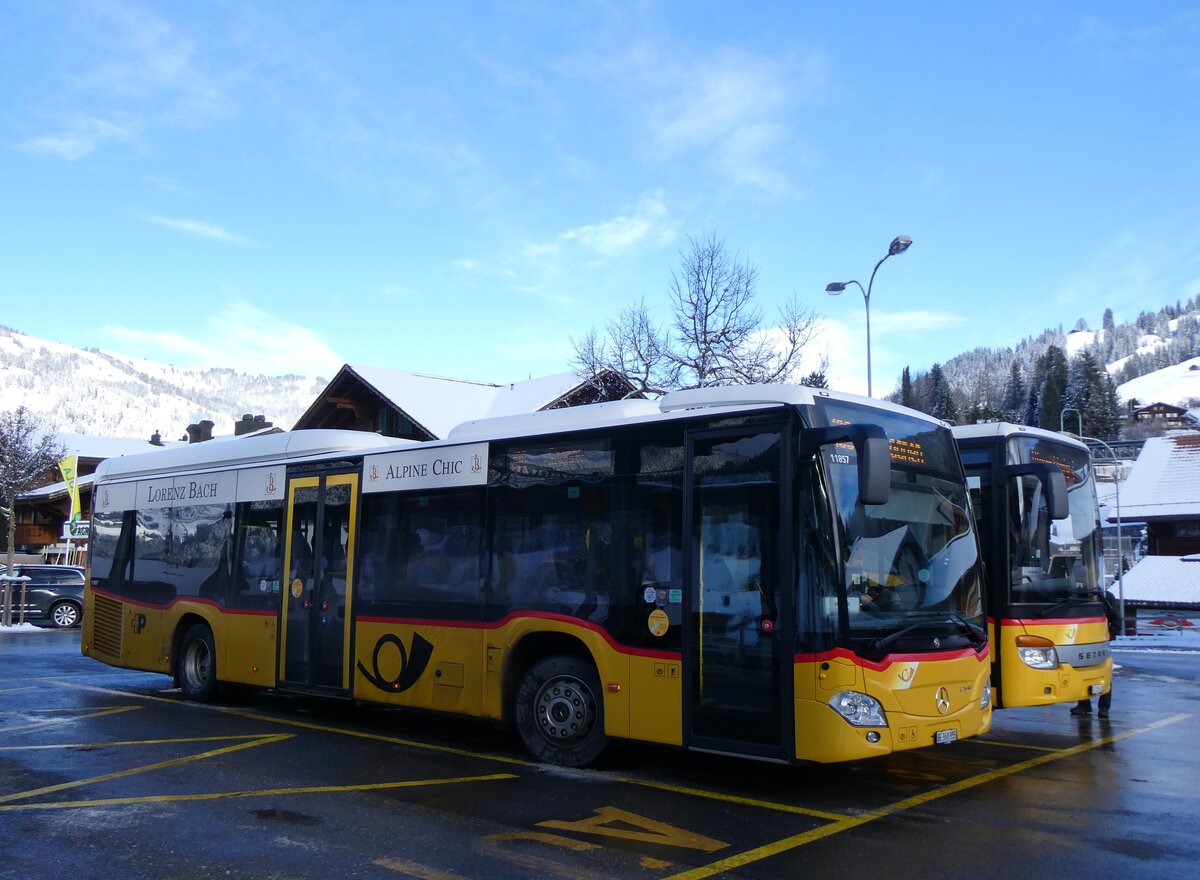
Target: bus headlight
<point>1037,652</point>
<point>858,709</point>
<point>985,696</point>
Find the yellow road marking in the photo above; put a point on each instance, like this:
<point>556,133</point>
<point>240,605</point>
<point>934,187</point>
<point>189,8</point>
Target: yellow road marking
<point>265,792</point>
<point>309,725</point>
<point>542,837</point>
<point>266,739</point>
<point>736,799</point>
<point>489,846</point>
<point>789,843</point>
<point>48,721</point>
<point>132,742</point>
<point>416,869</point>
<point>450,750</point>
<point>1007,745</point>
<point>608,820</point>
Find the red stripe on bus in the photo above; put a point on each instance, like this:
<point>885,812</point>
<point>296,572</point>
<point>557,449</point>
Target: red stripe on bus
<point>892,659</point>
<point>1051,621</point>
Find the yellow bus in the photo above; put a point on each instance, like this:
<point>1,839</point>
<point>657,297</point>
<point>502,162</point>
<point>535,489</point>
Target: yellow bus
<point>1034,499</point>
<point>775,572</point>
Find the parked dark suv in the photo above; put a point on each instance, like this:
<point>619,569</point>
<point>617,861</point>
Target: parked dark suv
<point>53,593</point>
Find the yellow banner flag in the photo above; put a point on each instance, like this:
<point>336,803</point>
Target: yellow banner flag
<point>69,466</point>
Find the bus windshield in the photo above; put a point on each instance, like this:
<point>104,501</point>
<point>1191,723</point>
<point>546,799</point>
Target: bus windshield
<point>912,563</point>
<point>1053,561</point>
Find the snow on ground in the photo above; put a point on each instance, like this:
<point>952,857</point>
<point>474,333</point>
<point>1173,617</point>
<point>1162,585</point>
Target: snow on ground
<point>1175,385</point>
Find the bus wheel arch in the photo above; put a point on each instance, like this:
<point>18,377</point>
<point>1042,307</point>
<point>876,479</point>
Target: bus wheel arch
<point>196,661</point>
<point>557,703</point>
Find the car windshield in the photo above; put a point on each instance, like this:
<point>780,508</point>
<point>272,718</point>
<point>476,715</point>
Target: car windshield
<point>910,566</point>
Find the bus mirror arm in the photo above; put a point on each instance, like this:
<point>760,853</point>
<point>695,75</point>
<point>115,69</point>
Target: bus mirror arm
<point>1052,480</point>
<point>873,452</point>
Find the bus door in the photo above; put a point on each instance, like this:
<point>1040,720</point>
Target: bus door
<point>738,638</point>
<point>314,646</point>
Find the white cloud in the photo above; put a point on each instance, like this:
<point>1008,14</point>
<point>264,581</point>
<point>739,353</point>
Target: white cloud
<point>80,139</point>
<point>913,322</point>
<point>199,229</point>
<point>648,222</point>
<point>241,336</point>
<point>734,105</point>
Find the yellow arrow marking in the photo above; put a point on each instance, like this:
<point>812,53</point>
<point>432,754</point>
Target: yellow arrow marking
<point>608,821</point>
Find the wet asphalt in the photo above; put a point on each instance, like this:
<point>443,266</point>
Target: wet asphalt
<point>106,773</point>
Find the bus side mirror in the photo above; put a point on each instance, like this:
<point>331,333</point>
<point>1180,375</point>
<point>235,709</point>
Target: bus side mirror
<point>874,456</point>
<point>1054,484</point>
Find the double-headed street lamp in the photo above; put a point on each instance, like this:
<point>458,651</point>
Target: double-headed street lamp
<point>898,246</point>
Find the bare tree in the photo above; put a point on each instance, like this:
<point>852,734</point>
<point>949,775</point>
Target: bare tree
<point>716,335</point>
<point>26,455</point>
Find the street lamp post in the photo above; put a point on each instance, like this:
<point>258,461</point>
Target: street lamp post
<point>898,246</point>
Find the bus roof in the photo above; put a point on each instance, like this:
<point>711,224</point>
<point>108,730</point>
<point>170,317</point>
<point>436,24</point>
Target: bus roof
<point>1009,429</point>
<point>244,451</point>
<point>675,404</point>
<point>295,446</point>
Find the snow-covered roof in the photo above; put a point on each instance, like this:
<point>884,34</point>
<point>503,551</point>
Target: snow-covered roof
<point>1165,480</point>
<point>54,490</point>
<point>437,404</point>
<point>1162,580</point>
<point>86,446</point>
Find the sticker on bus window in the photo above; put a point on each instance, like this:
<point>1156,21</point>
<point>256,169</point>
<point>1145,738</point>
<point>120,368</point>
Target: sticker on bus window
<point>658,623</point>
<point>649,594</point>
<point>297,588</point>
<point>676,596</point>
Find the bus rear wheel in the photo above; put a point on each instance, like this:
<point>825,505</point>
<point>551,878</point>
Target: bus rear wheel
<point>560,711</point>
<point>198,664</point>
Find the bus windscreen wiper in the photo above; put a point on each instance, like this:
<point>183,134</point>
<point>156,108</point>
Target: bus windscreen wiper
<point>970,626</point>
<point>1074,600</point>
<point>886,641</point>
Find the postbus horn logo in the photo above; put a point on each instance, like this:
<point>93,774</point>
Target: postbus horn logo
<point>412,663</point>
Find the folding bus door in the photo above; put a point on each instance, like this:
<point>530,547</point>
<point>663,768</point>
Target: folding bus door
<point>314,645</point>
<point>738,663</point>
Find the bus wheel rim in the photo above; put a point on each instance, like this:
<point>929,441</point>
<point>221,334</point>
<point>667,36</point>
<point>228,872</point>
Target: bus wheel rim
<point>197,666</point>
<point>565,709</point>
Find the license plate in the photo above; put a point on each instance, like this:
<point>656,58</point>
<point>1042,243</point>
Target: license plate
<point>1096,689</point>
<point>944,737</point>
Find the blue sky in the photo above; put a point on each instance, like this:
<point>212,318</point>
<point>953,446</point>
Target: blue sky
<point>462,188</point>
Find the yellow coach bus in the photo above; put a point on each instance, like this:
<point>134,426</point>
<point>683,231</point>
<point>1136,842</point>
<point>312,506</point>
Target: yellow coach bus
<point>776,572</point>
<point>1034,495</point>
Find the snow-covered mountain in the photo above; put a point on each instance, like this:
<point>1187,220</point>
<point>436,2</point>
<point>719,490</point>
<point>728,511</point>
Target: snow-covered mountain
<point>102,393</point>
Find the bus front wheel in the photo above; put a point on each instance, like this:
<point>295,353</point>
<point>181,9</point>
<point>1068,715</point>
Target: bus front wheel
<point>560,711</point>
<point>198,664</point>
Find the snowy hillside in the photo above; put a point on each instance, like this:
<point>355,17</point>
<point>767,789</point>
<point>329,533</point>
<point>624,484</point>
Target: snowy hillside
<point>112,395</point>
<point>1178,385</point>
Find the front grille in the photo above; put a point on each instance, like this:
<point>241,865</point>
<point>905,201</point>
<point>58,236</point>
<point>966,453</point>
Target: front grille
<point>106,627</point>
